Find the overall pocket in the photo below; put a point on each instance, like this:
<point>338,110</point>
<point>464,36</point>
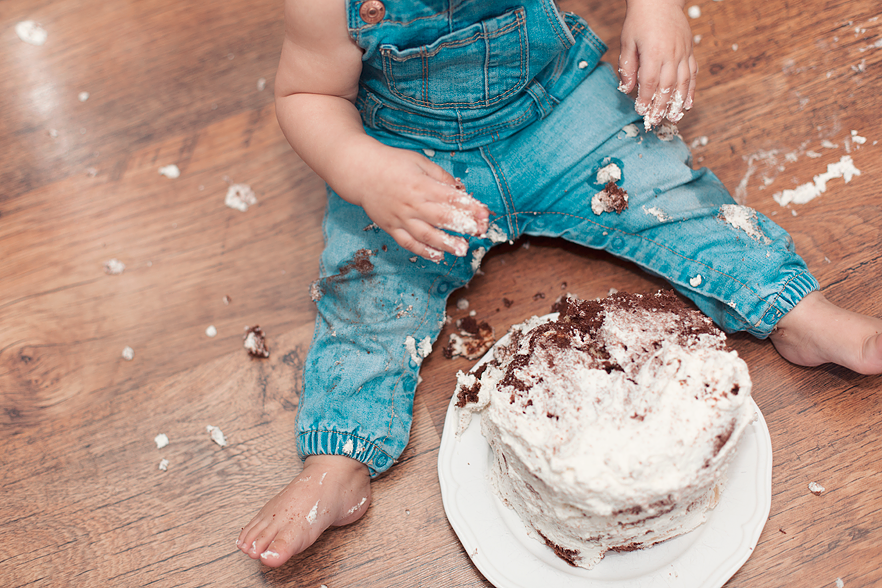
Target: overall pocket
<point>474,67</point>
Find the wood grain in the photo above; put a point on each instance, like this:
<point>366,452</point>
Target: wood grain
<point>84,503</point>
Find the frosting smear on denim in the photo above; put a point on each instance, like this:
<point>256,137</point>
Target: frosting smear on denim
<point>612,423</point>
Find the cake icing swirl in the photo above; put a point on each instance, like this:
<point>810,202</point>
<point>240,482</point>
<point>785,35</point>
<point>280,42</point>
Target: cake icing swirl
<point>612,423</point>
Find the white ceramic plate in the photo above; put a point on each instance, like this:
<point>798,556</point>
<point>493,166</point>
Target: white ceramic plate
<point>499,546</point>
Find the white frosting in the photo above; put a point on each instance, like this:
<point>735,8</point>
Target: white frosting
<point>844,168</point>
<point>595,460</point>
<point>240,197</point>
<point>609,173</point>
<point>744,218</point>
<point>161,440</point>
<point>216,435</point>
<point>604,201</point>
<point>170,171</point>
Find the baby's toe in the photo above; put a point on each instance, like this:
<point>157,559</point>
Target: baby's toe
<point>278,552</point>
<point>256,540</point>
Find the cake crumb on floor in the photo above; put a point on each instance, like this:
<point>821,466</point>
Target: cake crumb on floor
<point>240,197</point>
<point>114,267</point>
<point>217,435</point>
<point>816,488</point>
<point>255,342</point>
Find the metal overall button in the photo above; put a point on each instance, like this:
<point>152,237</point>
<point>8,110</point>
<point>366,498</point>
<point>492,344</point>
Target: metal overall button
<point>372,11</point>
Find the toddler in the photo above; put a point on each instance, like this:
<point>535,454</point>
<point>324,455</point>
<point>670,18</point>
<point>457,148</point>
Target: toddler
<point>423,116</point>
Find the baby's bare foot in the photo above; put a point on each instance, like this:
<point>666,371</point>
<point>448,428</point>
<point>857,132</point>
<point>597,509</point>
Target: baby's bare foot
<point>331,490</point>
<point>817,331</point>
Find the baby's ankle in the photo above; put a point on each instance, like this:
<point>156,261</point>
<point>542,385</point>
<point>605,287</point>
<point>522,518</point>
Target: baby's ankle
<point>340,464</point>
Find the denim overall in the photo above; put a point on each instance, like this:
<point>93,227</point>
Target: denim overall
<point>509,96</point>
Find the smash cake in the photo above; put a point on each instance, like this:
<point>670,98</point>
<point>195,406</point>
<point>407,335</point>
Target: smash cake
<point>611,422</point>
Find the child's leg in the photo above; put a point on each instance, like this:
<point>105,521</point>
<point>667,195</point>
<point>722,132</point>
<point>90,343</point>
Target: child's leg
<point>817,331</point>
<point>331,490</point>
<point>738,266</point>
<point>380,308</point>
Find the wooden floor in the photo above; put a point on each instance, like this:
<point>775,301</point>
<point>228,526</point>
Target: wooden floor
<point>783,86</point>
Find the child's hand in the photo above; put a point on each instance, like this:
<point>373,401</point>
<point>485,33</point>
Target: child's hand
<point>657,56</point>
<point>412,199</point>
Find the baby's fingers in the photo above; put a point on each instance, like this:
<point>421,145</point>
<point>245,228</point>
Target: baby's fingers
<point>677,103</point>
<point>693,77</point>
<point>628,67</point>
<point>466,214</point>
<point>429,242</point>
<point>661,97</point>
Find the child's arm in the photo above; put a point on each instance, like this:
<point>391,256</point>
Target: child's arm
<point>657,56</point>
<point>403,192</point>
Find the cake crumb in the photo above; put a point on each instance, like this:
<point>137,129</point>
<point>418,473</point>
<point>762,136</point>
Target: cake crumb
<point>128,353</point>
<point>609,173</point>
<point>816,488</point>
<point>217,435</point>
<point>114,267</point>
<point>478,255</point>
<point>211,331</point>
<point>844,169</point>
<point>495,234</point>
<point>666,131</point>
<point>840,583</point>
<point>658,213</point>
<point>30,32</point>
<point>696,281</point>
<point>611,198</point>
<point>163,464</point>
<point>261,84</point>
<point>418,352</point>
<point>631,130</point>
<point>462,303</point>
<point>161,440</point>
<point>475,338</point>
<point>170,171</point>
<point>240,197</point>
<point>694,11</point>
<point>857,138</point>
<point>255,342</point>
<point>743,218</point>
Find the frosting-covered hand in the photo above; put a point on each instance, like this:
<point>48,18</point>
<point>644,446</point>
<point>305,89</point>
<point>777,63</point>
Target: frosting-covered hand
<point>414,200</point>
<point>657,57</point>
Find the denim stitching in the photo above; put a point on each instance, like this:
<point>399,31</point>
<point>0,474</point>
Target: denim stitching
<point>461,42</point>
<point>425,62</point>
<point>458,137</point>
<point>390,80</point>
<point>554,20</point>
<point>505,190</point>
